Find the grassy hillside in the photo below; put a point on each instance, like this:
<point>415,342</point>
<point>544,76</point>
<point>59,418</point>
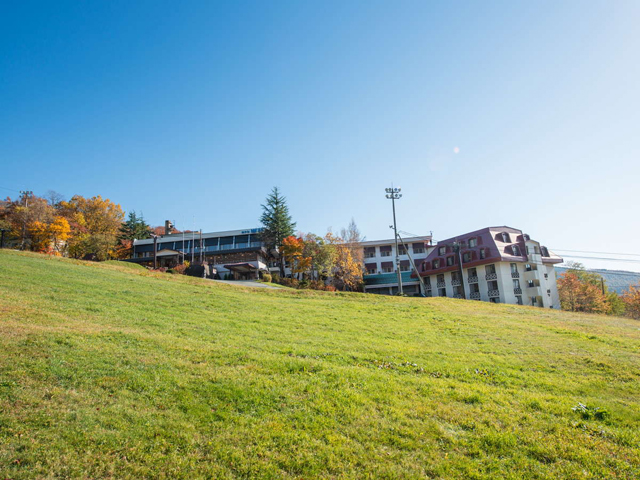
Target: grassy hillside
<point>108,371</point>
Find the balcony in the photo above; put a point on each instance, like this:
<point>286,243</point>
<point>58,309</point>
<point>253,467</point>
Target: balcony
<point>474,295</point>
<point>515,274</point>
<point>494,293</point>
<point>473,279</point>
<point>491,276</point>
<point>517,291</point>
<point>455,282</point>
<point>441,285</point>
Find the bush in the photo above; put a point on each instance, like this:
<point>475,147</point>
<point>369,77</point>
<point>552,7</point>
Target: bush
<point>181,269</point>
<point>588,413</point>
<point>275,278</point>
<point>303,284</point>
<point>266,277</point>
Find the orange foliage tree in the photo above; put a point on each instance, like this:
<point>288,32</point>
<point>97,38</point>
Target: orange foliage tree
<point>631,299</point>
<point>579,295</point>
<point>292,251</point>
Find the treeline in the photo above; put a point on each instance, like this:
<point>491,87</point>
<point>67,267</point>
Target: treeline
<point>584,291</point>
<point>89,228</point>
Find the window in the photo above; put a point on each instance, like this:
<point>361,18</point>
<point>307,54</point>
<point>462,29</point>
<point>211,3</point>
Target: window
<point>527,267</point>
<point>436,263</point>
<point>516,283</point>
<point>442,250</point>
<point>442,292</point>
<point>546,275</point>
<point>371,270</point>
<point>490,269</point>
<point>385,253</point>
<point>514,268</point>
<point>454,276</point>
<point>473,242</point>
<point>473,272</point>
<point>418,249</point>
<point>466,257</point>
<point>449,261</point>
<point>545,252</point>
<point>401,250</point>
<point>531,284</point>
<point>405,268</point>
<point>506,238</point>
<point>483,255</point>
<point>534,300</point>
<point>516,250</point>
<point>369,252</point>
<point>519,299</point>
<point>474,288</point>
<point>387,269</point>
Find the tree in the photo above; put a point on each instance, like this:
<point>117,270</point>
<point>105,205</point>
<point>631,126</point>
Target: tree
<point>581,296</point>
<point>22,214</point>
<point>50,238</point>
<point>277,223</point>
<point>134,228</point>
<point>347,269</point>
<point>631,299</point>
<point>293,252</point>
<point>95,224</point>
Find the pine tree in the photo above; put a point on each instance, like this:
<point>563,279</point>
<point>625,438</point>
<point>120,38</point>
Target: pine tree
<point>277,222</point>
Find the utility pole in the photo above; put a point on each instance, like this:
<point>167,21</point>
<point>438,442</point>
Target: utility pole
<point>413,264</point>
<point>201,252</point>
<point>155,251</point>
<point>456,249</point>
<point>26,195</point>
<point>394,194</point>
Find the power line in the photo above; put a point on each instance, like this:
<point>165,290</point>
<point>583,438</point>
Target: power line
<point>626,260</point>
<point>598,253</point>
<point>10,189</point>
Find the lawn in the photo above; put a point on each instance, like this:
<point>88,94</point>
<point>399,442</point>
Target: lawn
<point>110,371</point>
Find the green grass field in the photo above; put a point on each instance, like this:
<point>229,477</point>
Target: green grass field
<point>111,371</point>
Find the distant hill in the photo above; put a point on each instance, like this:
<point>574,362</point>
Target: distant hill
<point>618,280</point>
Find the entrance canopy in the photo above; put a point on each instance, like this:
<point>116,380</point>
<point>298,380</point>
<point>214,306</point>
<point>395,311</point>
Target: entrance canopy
<point>241,267</point>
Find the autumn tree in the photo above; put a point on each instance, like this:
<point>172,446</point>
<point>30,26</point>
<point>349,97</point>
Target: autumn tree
<point>322,254</point>
<point>293,252</point>
<point>95,224</point>
<point>347,269</point>
<point>631,299</point>
<point>50,238</point>
<point>579,295</point>
<point>22,214</point>
<point>277,223</point>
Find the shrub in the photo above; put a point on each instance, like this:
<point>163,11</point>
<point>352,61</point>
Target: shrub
<point>275,278</point>
<point>303,284</point>
<point>181,269</point>
<point>591,412</point>
<point>266,277</point>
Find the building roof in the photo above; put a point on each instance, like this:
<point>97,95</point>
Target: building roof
<point>391,241</point>
<point>176,237</point>
<point>495,247</point>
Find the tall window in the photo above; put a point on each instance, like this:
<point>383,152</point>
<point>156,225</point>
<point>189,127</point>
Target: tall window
<point>514,268</point>
<point>483,254</point>
<point>436,263</point>
<point>473,242</point>
<point>516,283</point>
<point>449,261</point>
<point>506,238</point>
<point>490,269</point>
<point>442,250</point>
<point>466,257</point>
<point>516,250</point>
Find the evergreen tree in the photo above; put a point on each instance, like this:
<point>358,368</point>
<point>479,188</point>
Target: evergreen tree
<point>277,223</point>
<point>134,228</point>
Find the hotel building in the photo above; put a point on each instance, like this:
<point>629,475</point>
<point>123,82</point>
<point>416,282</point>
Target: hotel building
<point>494,264</point>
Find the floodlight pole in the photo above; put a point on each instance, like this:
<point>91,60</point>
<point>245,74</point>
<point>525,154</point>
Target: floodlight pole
<point>155,251</point>
<point>394,194</point>
<point>456,248</point>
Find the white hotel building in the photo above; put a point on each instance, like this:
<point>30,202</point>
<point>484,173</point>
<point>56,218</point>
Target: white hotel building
<point>494,264</point>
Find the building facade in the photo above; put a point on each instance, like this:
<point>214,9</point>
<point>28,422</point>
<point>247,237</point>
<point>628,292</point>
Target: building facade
<point>233,254</point>
<point>494,264</point>
<point>380,264</point>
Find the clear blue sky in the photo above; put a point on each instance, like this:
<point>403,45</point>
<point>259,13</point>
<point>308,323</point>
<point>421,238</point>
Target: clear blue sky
<point>196,109</point>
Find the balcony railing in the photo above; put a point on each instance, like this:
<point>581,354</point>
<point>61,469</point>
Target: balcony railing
<point>517,291</point>
<point>455,282</point>
<point>515,274</point>
<point>474,295</point>
<point>473,279</point>
<point>441,284</point>
<point>491,276</point>
<point>494,293</point>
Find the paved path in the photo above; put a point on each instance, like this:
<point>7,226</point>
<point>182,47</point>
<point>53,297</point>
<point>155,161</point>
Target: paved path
<point>246,283</point>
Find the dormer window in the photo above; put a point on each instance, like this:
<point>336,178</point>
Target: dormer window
<point>473,242</point>
<point>442,251</point>
<point>436,263</point>
<point>466,257</point>
<point>506,238</point>
<point>516,250</point>
<point>483,254</point>
<point>449,261</point>
<point>545,251</point>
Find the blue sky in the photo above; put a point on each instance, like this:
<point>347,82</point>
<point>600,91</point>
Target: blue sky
<point>194,110</point>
